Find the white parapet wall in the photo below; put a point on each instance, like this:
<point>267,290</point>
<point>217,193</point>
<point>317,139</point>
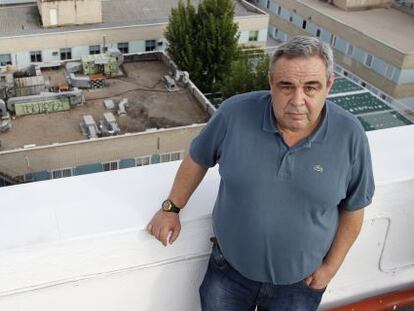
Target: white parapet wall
<point>80,243</point>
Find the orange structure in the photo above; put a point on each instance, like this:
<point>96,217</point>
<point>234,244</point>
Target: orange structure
<point>386,302</point>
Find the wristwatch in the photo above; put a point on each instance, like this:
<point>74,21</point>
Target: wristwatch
<point>169,206</point>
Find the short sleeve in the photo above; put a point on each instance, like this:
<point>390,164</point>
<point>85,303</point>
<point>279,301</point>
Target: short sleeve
<point>361,185</point>
<point>206,148</point>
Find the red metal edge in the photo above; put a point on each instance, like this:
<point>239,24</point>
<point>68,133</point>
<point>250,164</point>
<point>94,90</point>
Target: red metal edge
<point>384,302</point>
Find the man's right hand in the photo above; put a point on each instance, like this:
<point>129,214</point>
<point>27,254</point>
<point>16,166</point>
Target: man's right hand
<point>165,227</point>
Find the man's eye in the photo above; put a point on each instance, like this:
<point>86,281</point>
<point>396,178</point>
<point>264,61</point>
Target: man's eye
<point>286,88</point>
<point>310,89</point>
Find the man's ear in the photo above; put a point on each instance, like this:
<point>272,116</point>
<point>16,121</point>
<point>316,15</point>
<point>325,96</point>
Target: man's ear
<point>270,79</point>
<point>330,83</point>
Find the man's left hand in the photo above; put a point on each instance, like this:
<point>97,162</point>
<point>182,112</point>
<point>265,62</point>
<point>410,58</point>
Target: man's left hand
<point>321,277</point>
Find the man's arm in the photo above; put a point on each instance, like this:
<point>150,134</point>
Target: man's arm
<point>187,179</point>
<point>350,223</point>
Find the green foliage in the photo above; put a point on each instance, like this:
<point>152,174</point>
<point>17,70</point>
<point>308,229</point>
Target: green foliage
<point>204,42</point>
<point>249,72</point>
<point>180,34</point>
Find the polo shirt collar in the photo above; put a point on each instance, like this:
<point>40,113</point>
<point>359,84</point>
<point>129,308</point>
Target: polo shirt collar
<point>270,123</point>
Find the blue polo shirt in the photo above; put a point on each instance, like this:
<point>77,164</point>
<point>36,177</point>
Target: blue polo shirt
<point>276,212</point>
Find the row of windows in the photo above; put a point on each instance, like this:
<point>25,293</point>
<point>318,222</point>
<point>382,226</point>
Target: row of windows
<point>114,165</point>
<point>368,61</point>
<point>146,160</point>
<point>66,53</point>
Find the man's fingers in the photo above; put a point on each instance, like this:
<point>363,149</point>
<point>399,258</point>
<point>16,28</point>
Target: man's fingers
<point>164,235</point>
<point>174,235</point>
<point>308,280</point>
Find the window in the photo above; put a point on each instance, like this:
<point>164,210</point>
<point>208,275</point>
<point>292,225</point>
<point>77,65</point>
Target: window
<point>253,35</point>
<point>150,45</point>
<point>333,40</point>
<point>368,60</point>
<point>349,50</point>
<point>290,18</point>
<point>165,157</point>
<point>5,59</point>
<point>123,47</point>
<point>36,56</point>
<point>389,71</point>
<point>363,84</point>
<point>318,32</point>
<point>65,172</point>
<point>110,166</point>
<point>175,156</point>
<point>275,31</point>
<point>268,4</point>
<point>142,161</point>
<point>94,49</point>
<point>304,24</point>
<point>65,53</point>
<point>279,10</point>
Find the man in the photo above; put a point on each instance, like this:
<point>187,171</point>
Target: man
<point>295,176</point>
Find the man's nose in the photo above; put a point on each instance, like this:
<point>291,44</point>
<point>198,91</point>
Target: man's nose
<point>298,97</point>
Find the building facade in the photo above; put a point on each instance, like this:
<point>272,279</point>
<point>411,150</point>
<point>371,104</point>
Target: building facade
<point>53,31</point>
<point>381,56</point>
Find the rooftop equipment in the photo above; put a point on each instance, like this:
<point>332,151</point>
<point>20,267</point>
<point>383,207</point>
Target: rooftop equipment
<point>108,125</point>
<point>5,123</point>
<point>88,127</point>
<point>122,105</point>
<point>170,83</point>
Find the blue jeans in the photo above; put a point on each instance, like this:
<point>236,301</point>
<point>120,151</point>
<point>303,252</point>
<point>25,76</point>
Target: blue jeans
<point>225,289</point>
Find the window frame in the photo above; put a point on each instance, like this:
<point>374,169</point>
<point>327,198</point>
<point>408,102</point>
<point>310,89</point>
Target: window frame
<point>8,62</point>
<point>65,53</point>
<point>149,46</point>
<point>389,73</point>
<point>94,49</point>
<point>141,158</point>
<point>367,56</point>
<point>36,56</point>
<point>110,166</point>
<point>350,50</point>
<point>253,35</point>
<point>123,47</point>
<point>62,173</point>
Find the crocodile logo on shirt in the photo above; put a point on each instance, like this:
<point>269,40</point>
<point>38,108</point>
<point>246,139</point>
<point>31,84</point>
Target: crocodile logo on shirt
<point>318,168</point>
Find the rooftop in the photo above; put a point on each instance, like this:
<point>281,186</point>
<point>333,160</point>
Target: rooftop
<point>22,20</point>
<point>373,112</point>
<point>390,26</point>
<point>151,105</point>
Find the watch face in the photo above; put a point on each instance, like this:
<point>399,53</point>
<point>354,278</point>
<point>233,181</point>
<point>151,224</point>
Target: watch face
<point>167,205</point>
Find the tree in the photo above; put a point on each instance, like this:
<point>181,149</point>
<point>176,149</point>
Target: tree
<point>204,42</point>
<point>249,72</point>
<point>180,34</point>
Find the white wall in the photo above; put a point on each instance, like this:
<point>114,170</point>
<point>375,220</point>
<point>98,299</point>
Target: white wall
<point>80,243</point>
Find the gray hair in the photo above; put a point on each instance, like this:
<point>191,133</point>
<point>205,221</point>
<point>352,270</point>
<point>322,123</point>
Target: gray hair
<point>305,46</point>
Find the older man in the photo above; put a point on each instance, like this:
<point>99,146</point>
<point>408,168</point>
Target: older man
<point>295,173</point>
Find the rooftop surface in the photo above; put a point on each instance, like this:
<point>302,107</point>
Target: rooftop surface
<point>390,26</point>
<point>151,105</point>
<point>373,112</point>
<point>21,20</point>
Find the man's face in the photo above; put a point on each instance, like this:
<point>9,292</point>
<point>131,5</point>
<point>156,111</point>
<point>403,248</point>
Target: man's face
<point>299,87</point>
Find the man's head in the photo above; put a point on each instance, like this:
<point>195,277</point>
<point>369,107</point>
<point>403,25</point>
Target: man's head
<point>300,78</point>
